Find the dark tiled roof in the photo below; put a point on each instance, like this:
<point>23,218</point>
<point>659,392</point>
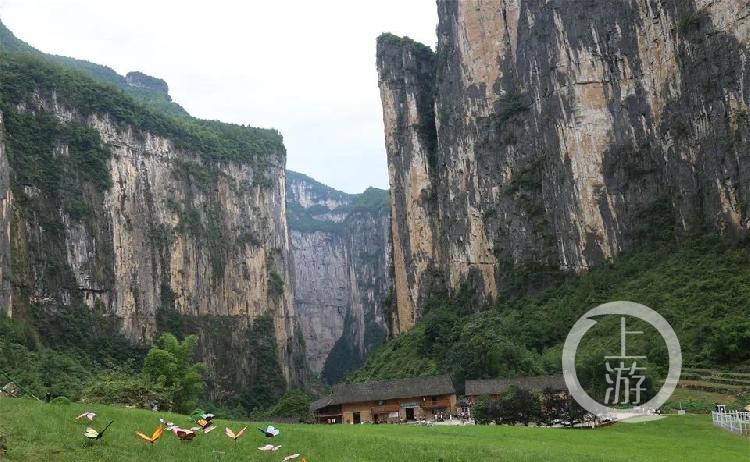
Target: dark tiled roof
<point>386,389</point>
<point>320,403</point>
<point>496,386</point>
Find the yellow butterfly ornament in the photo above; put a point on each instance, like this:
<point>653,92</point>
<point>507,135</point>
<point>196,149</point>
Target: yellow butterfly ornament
<point>205,423</point>
<point>93,434</point>
<point>232,435</point>
<point>158,431</point>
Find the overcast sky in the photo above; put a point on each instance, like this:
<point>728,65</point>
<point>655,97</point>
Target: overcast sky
<point>306,68</point>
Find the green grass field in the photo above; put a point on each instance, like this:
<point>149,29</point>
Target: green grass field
<point>34,431</point>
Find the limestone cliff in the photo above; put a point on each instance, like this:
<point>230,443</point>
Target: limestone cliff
<point>154,222</point>
<point>552,135</point>
<point>341,260</point>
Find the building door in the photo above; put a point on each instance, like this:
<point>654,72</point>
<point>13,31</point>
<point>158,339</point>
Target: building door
<point>356,418</point>
<point>409,413</point>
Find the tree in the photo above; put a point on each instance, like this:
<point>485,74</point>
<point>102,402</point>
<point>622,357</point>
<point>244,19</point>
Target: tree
<point>295,403</point>
<point>528,408</point>
<point>730,342</point>
<point>485,411</point>
<point>171,363</point>
<point>518,405</point>
<point>512,406</point>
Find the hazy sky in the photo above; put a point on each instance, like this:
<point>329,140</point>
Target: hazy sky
<point>306,68</point>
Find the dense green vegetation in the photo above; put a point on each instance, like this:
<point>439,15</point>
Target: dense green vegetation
<point>60,178</point>
<point>156,99</point>
<point>372,200</point>
<point>701,286</point>
<point>36,431</point>
<point>387,39</point>
<point>10,42</point>
<point>262,383</point>
<point>266,381</point>
<point>302,219</point>
<point>24,75</point>
<point>170,364</point>
<point>81,355</point>
<point>63,352</point>
<point>294,404</point>
<point>307,219</point>
<point>342,358</point>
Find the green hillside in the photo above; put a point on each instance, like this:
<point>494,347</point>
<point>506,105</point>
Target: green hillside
<point>64,352</point>
<point>38,431</point>
<point>23,75</point>
<point>308,219</point>
<point>700,285</point>
<point>148,96</point>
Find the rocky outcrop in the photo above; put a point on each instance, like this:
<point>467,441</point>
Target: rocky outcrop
<point>145,230</point>
<point>141,80</point>
<point>341,261</point>
<point>537,139</point>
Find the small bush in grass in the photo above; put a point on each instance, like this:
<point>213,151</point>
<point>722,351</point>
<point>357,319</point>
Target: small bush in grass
<point>61,401</point>
<point>127,389</point>
<point>295,403</point>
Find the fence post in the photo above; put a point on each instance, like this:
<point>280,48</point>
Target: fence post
<point>733,421</point>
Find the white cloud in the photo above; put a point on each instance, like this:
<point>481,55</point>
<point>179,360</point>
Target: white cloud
<point>306,68</point>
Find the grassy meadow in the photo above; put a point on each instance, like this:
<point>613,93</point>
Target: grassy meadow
<point>34,431</point>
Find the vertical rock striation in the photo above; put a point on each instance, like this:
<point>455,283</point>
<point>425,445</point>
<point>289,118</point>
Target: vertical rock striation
<point>6,210</point>
<point>147,230</point>
<point>561,139</point>
<point>341,259</point>
<point>406,76</point>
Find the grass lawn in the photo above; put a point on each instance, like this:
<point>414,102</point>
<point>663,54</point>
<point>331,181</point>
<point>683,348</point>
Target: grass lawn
<point>36,431</point>
<point>697,401</point>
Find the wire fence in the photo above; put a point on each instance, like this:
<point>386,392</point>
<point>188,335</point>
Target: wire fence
<point>10,379</point>
<point>733,421</point>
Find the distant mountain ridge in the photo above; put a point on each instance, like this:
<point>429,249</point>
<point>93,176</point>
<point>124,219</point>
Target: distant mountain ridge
<point>341,265</point>
<point>151,91</point>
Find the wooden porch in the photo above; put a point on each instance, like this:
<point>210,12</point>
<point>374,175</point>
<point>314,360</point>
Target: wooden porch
<point>437,404</point>
<point>385,409</point>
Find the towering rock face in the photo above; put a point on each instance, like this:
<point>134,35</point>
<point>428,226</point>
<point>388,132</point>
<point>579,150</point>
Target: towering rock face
<point>6,211</point>
<point>145,229</point>
<point>341,260</point>
<point>538,138</point>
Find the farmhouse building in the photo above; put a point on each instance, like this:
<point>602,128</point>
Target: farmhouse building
<point>492,388</point>
<point>388,401</point>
